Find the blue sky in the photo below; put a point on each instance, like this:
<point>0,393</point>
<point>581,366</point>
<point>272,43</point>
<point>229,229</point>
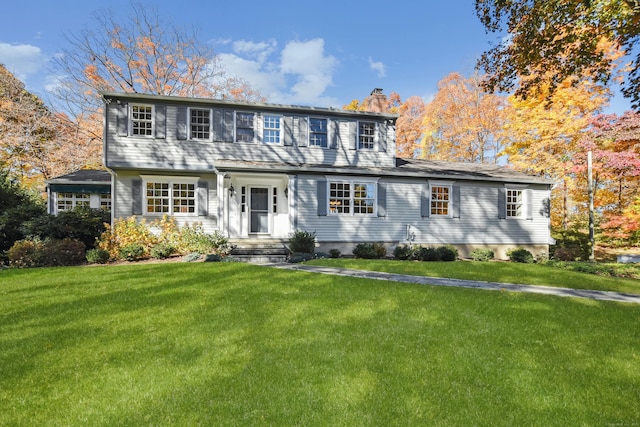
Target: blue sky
<point>295,52</point>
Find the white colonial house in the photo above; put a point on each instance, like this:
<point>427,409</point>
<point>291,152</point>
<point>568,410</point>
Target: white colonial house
<point>258,172</point>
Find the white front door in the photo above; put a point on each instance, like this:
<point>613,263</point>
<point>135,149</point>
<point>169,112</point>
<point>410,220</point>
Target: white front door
<point>259,210</point>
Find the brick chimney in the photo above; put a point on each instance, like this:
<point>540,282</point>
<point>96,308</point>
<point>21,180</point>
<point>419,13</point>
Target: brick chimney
<point>377,101</point>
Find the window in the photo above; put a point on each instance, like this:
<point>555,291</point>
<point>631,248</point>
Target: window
<point>200,123</point>
<point>352,197</point>
<point>244,127</point>
<point>105,202</point>
<point>142,120</point>
<point>515,203</point>
<point>69,201</point>
<point>366,135</point>
<point>243,198</point>
<point>271,131</point>
<point>171,197</point>
<point>275,200</point>
<point>318,132</point>
<point>440,198</point>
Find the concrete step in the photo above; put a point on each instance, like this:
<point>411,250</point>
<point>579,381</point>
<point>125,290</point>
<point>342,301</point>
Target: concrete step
<point>259,251</point>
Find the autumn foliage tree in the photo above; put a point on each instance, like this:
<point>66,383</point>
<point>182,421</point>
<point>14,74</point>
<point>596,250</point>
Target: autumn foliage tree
<point>615,143</point>
<point>570,38</point>
<point>463,122</point>
<point>35,144</point>
<point>543,131</point>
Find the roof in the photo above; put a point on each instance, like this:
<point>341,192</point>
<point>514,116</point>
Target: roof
<point>83,176</point>
<point>405,168</point>
<point>299,109</point>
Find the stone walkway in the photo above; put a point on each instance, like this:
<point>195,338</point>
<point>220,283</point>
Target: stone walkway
<point>492,286</point>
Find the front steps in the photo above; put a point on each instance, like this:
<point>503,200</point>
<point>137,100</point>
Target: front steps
<point>259,251</point>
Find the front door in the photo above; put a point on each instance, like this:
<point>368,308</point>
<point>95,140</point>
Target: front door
<point>259,205</point>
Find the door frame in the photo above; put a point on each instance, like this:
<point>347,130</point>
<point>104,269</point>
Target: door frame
<point>250,210</point>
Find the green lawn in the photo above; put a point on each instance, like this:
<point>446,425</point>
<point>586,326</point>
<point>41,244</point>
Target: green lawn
<point>234,344</point>
<point>502,272</point>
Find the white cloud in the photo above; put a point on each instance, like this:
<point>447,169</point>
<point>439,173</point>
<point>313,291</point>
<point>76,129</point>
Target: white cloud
<point>22,60</point>
<point>299,73</point>
<point>378,67</point>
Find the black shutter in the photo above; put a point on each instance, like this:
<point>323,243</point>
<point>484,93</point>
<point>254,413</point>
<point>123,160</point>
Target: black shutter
<point>161,121</point>
<point>203,198</point>
<point>353,135</point>
<point>322,198</point>
<point>425,202</point>
<point>502,203</point>
<point>136,196</point>
<point>181,123</point>
<point>455,200</point>
<point>303,132</point>
<point>382,136</point>
<point>217,125</point>
<point>334,134</point>
<point>287,130</point>
<point>122,119</point>
<point>382,199</point>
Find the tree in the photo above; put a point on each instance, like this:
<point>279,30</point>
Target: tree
<point>615,143</point>
<point>409,126</point>
<point>463,122</point>
<point>143,55</point>
<point>409,123</point>
<point>553,40</point>
<point>543,130</point>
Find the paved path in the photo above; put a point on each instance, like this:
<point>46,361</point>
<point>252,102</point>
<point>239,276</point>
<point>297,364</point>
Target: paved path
<point>493,286</point>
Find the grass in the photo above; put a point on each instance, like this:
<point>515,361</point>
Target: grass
<point>235,344</point>
<point>560,275</point>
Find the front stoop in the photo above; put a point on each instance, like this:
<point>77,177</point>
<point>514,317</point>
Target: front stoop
<point>259,251</point>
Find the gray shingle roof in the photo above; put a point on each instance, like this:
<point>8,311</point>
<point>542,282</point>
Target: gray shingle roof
<point>411,168</point>
<point>85,176</point>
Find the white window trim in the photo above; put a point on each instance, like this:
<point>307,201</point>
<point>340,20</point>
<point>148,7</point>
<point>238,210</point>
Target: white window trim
<point>448,184</point>
<point>262,129</point>
<point>169,180</point>
<point>523,205</point>
<point>351,181</point>
<point>74,199</point>
<point>375,135</point>
<point>153,120</point>
<point>190,124</point>
<point>235,127</point>
<point>328,133</point>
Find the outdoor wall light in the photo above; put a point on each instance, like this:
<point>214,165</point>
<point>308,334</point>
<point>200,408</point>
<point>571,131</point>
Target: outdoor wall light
<point>231,190</point>
<point>286,192</point>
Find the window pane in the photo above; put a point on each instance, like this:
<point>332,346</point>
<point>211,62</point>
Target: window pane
<point>440,200</point>
<point>200,124</point>
<point>318,132</point>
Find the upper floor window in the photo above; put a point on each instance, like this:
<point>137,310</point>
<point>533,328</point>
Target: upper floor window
<point>318,132</point>
<point>200,123</point>
<point>440,199</point>
<point>244,127</point>
<point>352,197</point>
<point>271,131</point>
<point>142,120</point>
<point>515,203</point>
<point>366,135</point>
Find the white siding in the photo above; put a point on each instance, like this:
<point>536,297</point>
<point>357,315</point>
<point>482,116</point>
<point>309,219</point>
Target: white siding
<point>190,155</point>
<point>122,206</point>
<point>478,222</point>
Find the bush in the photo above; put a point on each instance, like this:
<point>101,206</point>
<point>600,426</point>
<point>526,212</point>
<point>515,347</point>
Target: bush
<point>369,250</point>
<point>520,255</point>
<point>82,224</point>
<point>295,258</point>
<point>426,254</point>
<point>62,252</point>
<point>334,253</point>
<point>567,254</point>
<point>447,253</point>
<point>48,253</point>
<point>162,251</point>
<point>126,232</point>
<point>97,256</point>
<point>403,252</point>
<point>212,258</point>
<point>191,257</point>
<point>302,242</point>
<point>23,253</point>
<point>482,254</point>
<point>132,252</point>
<point>572,244</point>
